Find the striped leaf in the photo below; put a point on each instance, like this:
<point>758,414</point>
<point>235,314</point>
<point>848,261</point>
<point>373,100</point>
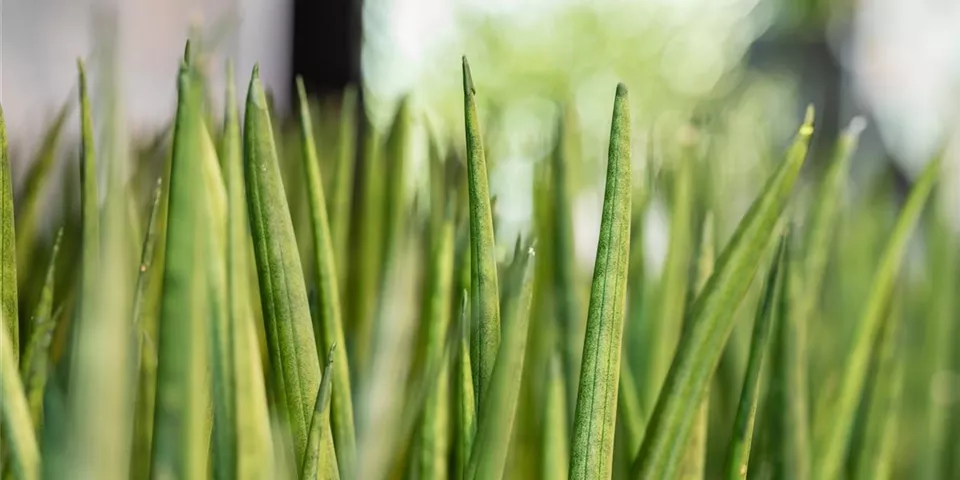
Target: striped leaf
<point>738,453</point>
<point>8,254</point>
<point>484,290</point>
<point>180,420</point>
<point>295,366</point>
<point>831,453</point>
<point>19,441</point>
<point>434,439</point>
<point>466,403</point>
<point>253,443</point>
<point>495,424</point>
<point>327,325</point>
<point>320,461</point>
<point>593,427</point>
<point>713,311</point>
<point>36,356</point>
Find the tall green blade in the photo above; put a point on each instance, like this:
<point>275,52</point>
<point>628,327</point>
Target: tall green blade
<point>466,403</point>
<point>484,291</point>
<point>100,391</point>
<point>713,311</point>
<point>591,453</point>
<point>738,453</point>
<point>146,347</point>
<point>89,211</point>
<point>630,412</point>
<point>942,265</point>
<point>8,254</point>
<point>792,460</point>
<point>328,325</point>
<point>832,451</point>
<point>29,201</point>
<point>253,443</point>
<point>224,454</point>
<point>676,277</point>
<point>435,440</point>
<point>565,292</point>
<point>695,459</point>
<point>36,356</point>
<point>489,456</point>
<point>398,147</point>
<point>555,455</point>
<point>320,461</point>
<point>367,265</point>
<point>286,313</point>
<point>340,209</point>
<point>786,423</point>
<point>180,419</point>
<point>875,456</point>
<point>19,441</point>
<point>823,218</point>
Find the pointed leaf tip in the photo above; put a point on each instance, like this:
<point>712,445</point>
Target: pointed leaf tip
<point>857,126</point>
<point>82,70</point>
<point>468,87</point>
<point>807,128</point>
<point>333,348</point>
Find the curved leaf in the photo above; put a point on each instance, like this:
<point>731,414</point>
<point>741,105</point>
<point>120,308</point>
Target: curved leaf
<point>832,452</point>
<point>713,318</point>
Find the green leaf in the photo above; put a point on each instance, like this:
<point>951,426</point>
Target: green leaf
<point>629,411</point>
<point>593,427</point>
<point>490,447</point>
<point>36,357</point>
<point>146,348</point>
<point>877,454</point>
<point>340,208</point>
<point>180,422</point>
<point>320,460</point>
<point>19,441</point>
<point>676,277</point>
<point>89,210</point>
<point>366,271</point>
<point>942,265</point>
<point>694,461</point>
<point>254,444</point>
<point>434,439</point>
<point>831,453</point>
<point>484,291</point>
<point>286,313</point>
<point>566,293</point>
<point>792,459</point>
<point>8,255</point>
<point>713,311</point>
<point>100,393</point>
<point>38,176</point>
<point>555,456</point>
<point>328,326</point>
<point>398,146</point>
<point>823,218</point>
<point>466,403</point>
<point>738,453</point>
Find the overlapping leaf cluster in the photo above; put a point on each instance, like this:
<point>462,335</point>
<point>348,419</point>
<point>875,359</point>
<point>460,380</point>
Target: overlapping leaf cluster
<point>253,302</point>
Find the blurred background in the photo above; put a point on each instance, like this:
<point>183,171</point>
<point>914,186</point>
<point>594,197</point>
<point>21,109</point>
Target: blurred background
<point>746,67</point>
<point>730,77</point>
